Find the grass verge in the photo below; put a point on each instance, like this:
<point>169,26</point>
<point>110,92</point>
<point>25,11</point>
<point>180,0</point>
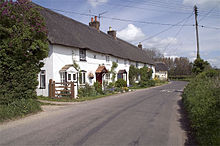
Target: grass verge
<point>66,99</point>
<point>19,108</point>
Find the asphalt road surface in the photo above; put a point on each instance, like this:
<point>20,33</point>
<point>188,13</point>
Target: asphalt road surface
<point>143,117</point>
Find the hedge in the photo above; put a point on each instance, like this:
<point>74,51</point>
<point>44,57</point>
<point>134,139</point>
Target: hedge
<point>201,99</point>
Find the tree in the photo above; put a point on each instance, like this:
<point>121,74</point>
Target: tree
<point>23,44</point>
<point>200,65</point>
<point>154,53</point>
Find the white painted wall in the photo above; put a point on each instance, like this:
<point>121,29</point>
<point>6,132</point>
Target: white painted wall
<point>60,56</point>
<point>48,67</point>
<point>162,75</point>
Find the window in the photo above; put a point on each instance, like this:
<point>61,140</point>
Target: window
<point>82,54</point>
<point>125,62</point>
<point>137,64</point>
<point>94,56</point>
<point>107,76</point>
<point>107,58</point>
<point>42,79</point>
<point>69,76</point>
<point>82,77</point>
<point>74,77</point>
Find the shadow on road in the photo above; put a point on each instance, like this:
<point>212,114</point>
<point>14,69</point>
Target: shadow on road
<point>185,125</point>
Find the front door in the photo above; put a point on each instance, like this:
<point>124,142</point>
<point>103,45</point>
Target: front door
<point>99,78</point>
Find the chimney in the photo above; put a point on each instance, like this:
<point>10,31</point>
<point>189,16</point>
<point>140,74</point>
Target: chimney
<point>95,24</point>
<point>112,32</point>
<point>140,45</point>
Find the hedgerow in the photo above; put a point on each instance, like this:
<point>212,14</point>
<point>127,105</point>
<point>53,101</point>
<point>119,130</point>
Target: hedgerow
<point>23,46</point>
<point>201,98</point>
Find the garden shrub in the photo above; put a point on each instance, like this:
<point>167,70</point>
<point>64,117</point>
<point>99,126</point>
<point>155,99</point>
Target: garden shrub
<point>87,91</point>
<point>201,99</point>
<point>98,87</point>
<point>120,83</point>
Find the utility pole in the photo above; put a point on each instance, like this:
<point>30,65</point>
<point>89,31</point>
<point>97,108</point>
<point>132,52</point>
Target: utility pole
<point>197,33</point>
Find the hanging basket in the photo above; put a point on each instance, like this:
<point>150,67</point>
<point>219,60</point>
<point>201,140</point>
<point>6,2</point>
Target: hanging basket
<point>91,76</point>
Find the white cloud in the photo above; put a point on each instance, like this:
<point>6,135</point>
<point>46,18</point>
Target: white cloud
<point>215,62</point>
<point>94,3</point>
<point>131,33</point>
<point>204,3</point>
<point>160,43</point>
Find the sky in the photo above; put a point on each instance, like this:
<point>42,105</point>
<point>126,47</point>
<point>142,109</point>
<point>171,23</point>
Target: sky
<point>167,25</point>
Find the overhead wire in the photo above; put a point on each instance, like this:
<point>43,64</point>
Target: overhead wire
<point>167,28</point>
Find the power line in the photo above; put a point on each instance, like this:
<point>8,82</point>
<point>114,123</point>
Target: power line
<point>167,28</point>
<point>206,14</point>
<point>178,32</point>
<point>135,21</point>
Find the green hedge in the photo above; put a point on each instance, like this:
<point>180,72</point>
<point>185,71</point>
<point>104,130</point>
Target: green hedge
<point>201,98</point>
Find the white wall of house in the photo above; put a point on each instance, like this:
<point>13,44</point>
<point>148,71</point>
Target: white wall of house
<point>60,56</point>
<point>162,75</point>
<point>48,68</point>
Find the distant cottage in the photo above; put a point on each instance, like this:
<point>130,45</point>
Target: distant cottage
<point>93,50</point>
<point>161,71</point>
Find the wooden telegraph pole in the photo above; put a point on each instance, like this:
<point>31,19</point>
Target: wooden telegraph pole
<point>197,33</point>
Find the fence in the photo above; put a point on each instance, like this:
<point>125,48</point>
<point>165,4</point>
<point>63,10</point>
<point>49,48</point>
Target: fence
<point>59,90</point>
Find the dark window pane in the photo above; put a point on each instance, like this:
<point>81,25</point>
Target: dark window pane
<point>69,76</point>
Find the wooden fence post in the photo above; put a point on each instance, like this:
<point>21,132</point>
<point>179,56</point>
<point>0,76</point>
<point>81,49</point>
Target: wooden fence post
<point>72,90</point>
<point>53,89</point>
<point>50,88</point>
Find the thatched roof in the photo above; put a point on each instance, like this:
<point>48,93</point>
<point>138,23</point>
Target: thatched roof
<point>66,31</point>
<point>160,66</point>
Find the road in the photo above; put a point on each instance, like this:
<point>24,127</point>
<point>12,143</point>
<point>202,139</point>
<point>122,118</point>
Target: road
<point>143,117</point>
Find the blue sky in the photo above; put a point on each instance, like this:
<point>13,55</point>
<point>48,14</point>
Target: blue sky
<point>176,41</point>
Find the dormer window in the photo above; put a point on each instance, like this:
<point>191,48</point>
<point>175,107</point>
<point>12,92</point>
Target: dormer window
<point>82,54</point>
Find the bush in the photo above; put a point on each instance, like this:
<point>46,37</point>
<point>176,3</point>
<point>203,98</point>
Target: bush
<point>87,91</point>
<point>98,87</point>
<point>201,98</point>
<point>120,83</point>
<point>23,46</point>
<point>148,83</point>
<point>18,108</point>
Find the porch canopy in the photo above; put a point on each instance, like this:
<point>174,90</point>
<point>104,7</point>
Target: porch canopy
<point>122,71</point>
<point>101,69</point>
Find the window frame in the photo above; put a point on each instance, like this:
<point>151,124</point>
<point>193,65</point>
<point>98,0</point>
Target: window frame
<point>43,74</point>
<point>107,58</point>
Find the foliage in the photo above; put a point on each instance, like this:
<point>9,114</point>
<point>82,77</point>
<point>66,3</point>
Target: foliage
<point>23,44</point>
<point>200,65</point>
<point>114,66</point>
<point>133,74</point>
<point>145,73</point>
<point>177,66</point>
<point>87,91</point>
<point>148,83</point>
<point>18,108</point>
<point>201,98</point>
<point>98,87</point>
<point>120,83</point>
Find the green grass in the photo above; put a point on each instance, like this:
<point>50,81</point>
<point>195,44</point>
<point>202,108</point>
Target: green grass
<point>66,99</point>
<point>18,108</point>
